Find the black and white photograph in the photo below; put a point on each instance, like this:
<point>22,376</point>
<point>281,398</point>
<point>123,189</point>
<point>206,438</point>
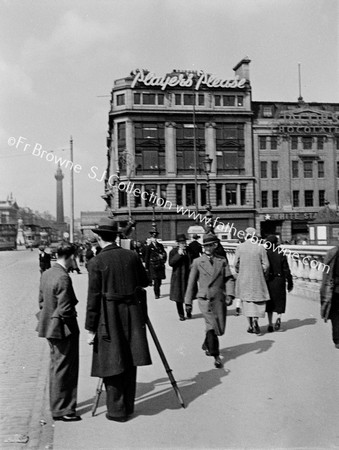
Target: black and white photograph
<point>169,224</point>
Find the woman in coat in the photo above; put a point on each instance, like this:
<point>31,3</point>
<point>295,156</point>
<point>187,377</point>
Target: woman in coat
<point>180,262</point>
<point>251,264</point>
<point>279,275</point>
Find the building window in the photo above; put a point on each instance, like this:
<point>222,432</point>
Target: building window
<point>217,100</point>
<point>320,143</point>
<point>163,192</point>
<point>189,99</point>
<point>190,195</point>
<point>240,100</point>
<point>122,199</point>
<point>308,169</point>
<point>179,194</point>
<point>321,198</point>
<point>121,132</point>
<point>178,99</point>
<point>148,99</point>
<point>337,169</point>
<point>185,147</point>
<point>275,199</point>
<point>201,99</point>
<point>274,142</point>
<point>219,189</point>
<point>203,194</point>
<point>262,142</point>
<point>308,198</point>
<point>231,194</point>
<point>274,169</point>
<point>295,169</point>
<point>230,149</point>
<point>321,173</point>
<point>307,142</point>
<point>263,169</point>
<point>294,142</point>
<point>264,199</point>
<point>137,99</point>
<point>150,199</point>
<point>228,100</point>
<point>149,148</point>
<point>161,99</point>
<point>137,196</point>
<point>337,143</point>
<point>243,188</point>
<point>120,99</point>
<point>296,199</point>
<point>267,111</point>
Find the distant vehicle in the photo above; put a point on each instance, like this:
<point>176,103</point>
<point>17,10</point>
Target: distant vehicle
<point>8,233</point>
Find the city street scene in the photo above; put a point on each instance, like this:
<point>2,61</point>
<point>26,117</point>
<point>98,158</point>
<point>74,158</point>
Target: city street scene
<point>169,224</point>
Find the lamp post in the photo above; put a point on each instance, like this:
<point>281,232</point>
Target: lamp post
<point>154,224</point>
<point>71,227</point>
<point>207,169</point>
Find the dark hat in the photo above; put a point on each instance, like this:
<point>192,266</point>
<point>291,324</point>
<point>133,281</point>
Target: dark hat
<point>154,233</point>
<point>210,238</point>
<point>272,238</point>
<point>180,237</point>
<point>106,225</point>
<point>195,236</point>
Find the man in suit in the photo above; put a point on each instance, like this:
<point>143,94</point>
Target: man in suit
<point>213,275</point>
<point>44,259</point>
<point>155,259</point>
<point>58,324</point>
<point>115,320</point>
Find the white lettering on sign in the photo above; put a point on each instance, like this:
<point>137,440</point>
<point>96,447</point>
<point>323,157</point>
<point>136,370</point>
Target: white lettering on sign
<point>186,80</point>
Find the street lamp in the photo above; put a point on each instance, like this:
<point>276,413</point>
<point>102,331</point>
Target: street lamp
<point>207,169</point>
<point>154,224</point>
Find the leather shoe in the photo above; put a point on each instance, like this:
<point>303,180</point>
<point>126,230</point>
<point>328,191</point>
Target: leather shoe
<point>217,362</point>
<point>250,330</point>
<point>207,353</point>
<point>277,324</point>
<point>256,327</point>
<point>116,419</point>
<point>68,418</point>
<point>182,318</point>
<point>270,329</point>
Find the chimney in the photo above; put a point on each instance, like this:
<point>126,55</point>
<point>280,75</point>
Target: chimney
<point>242,69</point>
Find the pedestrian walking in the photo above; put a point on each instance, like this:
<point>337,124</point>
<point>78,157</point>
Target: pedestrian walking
<point>44,259</point>
<point>58,324</point>
<point>278,276</point>
<point>251,264</point>
<point>179,260</point>
<point>115,320</point>
<point>194,248</point>
<point>155,259</point>
<point>215,292</point>
<point>329,292</point>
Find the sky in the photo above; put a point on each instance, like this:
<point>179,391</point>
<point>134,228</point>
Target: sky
<point>59,59</point>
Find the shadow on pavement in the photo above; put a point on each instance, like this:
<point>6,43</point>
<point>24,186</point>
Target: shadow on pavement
<point>296,323</point>
<point>234,352</point>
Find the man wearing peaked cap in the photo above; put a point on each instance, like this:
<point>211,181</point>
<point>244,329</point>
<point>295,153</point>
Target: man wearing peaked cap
<point>155,259</point>
<point>115,320</point>
<point>180,262</point>
<point>210,277</point>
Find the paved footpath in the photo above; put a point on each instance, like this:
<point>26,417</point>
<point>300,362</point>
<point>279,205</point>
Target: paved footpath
<point>277,390</point>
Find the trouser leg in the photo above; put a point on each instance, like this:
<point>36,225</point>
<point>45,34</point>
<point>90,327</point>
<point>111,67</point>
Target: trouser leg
<point>212,343</point>
<point>180,309</point>
<point>157,284</point>
<point>120,393</point>
<point>63,375</point>
<point>334,316</point>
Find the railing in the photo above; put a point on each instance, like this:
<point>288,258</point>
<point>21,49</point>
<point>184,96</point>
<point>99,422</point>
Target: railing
<point>306,264</point>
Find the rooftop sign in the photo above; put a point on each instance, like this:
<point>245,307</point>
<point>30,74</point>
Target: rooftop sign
<point>194,80</point>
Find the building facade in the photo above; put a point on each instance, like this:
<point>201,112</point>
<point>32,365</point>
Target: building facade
<point>161,129</point>
<point>296,148</point>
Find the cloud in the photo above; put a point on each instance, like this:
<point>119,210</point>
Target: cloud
<point>72,36</point>
<point>13,81</point>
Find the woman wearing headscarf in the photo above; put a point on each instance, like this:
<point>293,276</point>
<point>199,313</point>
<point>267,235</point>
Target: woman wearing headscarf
<point>279,276</point>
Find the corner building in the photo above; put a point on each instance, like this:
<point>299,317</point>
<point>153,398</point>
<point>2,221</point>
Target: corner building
<point>296,147</point>
<point>160,130</point>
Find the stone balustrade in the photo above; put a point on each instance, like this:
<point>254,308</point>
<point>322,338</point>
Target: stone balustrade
<point>306,264</point>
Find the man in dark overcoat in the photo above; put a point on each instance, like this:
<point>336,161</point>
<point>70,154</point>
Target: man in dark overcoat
<point>179,260</point>
<point>115,320</point>
<point>58,324</point>
<point>155,259</point>
<point>215,292</point>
